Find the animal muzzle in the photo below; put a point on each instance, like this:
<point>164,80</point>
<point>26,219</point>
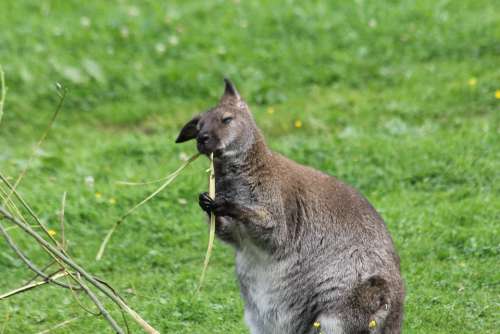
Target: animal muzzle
<point>205,143</point>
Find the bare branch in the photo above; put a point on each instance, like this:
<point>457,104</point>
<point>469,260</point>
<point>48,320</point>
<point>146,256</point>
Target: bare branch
<point>57,253</point>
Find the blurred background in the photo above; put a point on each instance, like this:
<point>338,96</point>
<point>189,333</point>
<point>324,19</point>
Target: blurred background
<point>398,98</point>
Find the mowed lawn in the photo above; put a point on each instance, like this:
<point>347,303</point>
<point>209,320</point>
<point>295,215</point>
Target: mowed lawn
<point>399,98</point>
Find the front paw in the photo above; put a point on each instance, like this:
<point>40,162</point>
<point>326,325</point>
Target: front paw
<point>218,205</point>
<point>206,202</point>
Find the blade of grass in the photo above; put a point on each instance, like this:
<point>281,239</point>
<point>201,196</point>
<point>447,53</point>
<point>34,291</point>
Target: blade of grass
<point>61,219</point>
<point>168,179</point>
<point>3,93</point>
<point>59,325</point>
<point>128,183</point>
<point>6,321</point>
<point>211,235</point>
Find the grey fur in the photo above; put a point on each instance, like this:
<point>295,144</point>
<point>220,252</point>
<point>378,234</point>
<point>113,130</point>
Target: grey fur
<point>308,247</point>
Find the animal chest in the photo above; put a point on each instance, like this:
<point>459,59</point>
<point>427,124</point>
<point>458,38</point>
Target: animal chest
<point>263,289</point>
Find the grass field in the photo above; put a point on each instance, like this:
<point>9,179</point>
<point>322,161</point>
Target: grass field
<point>399,99</point>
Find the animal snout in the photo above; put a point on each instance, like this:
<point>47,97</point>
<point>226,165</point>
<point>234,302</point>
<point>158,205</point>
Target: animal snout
<point>203,138</point>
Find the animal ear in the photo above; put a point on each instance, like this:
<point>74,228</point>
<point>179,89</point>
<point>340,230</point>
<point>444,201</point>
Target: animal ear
<point>230,92</point>
<point>189,131</point>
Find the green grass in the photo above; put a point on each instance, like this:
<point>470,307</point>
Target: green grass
<point>381,87</point>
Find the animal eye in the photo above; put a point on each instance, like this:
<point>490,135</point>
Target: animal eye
<point>227,120</point>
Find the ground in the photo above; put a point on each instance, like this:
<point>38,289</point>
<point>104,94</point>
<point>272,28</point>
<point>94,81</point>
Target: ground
<point>399,99</point>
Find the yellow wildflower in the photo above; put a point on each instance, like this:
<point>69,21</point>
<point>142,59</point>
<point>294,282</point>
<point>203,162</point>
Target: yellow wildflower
<point>472,82</point>
<point>112,201</point>
<point>372,324</point>
<point>98,195</point>
<point>316,324</point>
<point>270,110</point>
<point>52,232</point>
<point>497,94</point>
<point>297,124</point>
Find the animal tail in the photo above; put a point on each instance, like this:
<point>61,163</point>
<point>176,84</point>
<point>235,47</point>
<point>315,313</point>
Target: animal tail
<point>372,300</point>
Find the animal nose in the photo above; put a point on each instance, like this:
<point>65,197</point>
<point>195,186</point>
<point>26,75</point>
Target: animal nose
<point>203,138</point>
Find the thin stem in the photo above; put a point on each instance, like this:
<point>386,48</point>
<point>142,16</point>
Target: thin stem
<point>33,285</point>
<point>61,219</point>
<point>211,235</point>
<point>62,96</point>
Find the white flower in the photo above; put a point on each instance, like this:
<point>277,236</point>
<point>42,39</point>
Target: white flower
<point>85,22</point>
<point>133,11</point>
<point>173,40</point>
<point>160,48</point>
<point>124,32</point>
<point>89,181</point>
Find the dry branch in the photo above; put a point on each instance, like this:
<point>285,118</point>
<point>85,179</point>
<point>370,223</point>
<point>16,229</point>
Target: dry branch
<point>57,253</point>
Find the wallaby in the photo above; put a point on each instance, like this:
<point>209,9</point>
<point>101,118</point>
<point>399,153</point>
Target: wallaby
<point>312,254</point>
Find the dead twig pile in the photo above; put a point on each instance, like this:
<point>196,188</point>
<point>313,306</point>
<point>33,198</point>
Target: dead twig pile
<point>65,272</point>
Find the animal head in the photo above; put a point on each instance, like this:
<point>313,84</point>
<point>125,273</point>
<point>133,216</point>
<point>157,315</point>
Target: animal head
<point>226,129</point>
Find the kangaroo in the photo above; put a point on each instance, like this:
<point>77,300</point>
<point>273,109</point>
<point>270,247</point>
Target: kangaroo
<point>312,254</point>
